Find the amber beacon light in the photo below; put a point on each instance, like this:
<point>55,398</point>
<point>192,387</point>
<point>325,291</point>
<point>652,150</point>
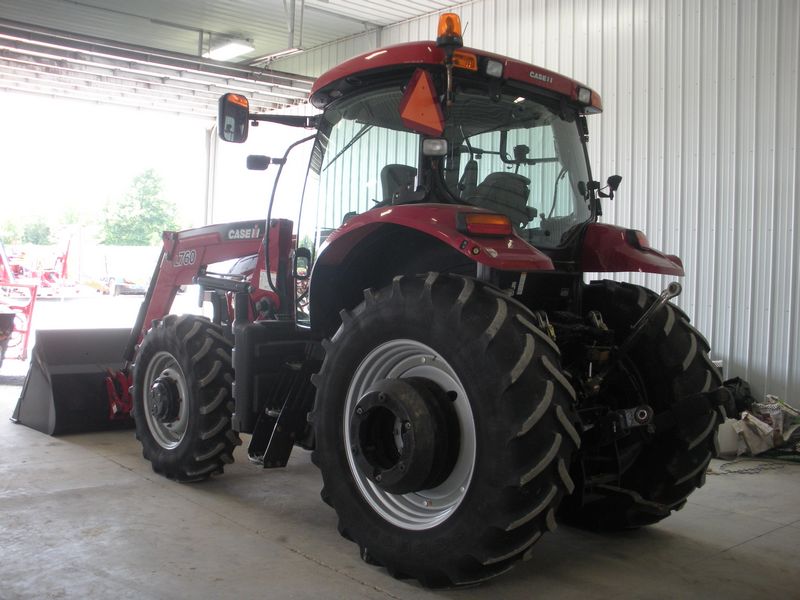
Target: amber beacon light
<point>448,34</point>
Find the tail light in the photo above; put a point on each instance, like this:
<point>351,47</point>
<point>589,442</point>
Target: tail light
<point>637,239</point>
<point>465,60</point>
<point>484,224</point>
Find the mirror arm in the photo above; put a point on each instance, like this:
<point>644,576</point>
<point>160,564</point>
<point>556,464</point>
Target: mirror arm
<point>504,156</point>
<point>290,120</point>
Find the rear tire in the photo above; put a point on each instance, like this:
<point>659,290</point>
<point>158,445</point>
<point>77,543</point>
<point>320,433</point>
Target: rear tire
<point>182,398</point>
<point>667,364</point>
<point>511,436</point>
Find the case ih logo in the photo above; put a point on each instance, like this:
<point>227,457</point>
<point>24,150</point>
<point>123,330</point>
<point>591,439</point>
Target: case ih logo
<point>246,233</point>
<point>541,77</point>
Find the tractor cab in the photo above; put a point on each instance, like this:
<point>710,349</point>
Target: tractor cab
<point>479,137</point>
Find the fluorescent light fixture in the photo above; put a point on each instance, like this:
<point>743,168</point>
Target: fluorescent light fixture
<point>228,48</point>
<point>268,58</point>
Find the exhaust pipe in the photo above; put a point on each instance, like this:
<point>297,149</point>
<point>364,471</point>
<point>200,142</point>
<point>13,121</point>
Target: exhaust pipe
<point>66,389</point>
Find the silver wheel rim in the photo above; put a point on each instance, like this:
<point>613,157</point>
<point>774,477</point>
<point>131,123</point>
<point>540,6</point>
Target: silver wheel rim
<point>424,509</point>
<point>166,435</point>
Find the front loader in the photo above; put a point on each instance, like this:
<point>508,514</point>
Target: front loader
<point>424,328</point>
<point>79,380</point>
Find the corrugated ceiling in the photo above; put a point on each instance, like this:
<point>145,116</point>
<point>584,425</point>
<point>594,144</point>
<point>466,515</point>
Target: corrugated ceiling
<point>147,53</point>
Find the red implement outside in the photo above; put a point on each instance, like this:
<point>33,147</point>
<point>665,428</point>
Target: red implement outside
<point>17,300</point>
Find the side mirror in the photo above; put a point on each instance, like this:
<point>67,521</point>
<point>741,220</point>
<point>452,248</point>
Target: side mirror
<point>257,162</point>
<point>613,182</point>
<point>302,263</point>
<point>233,118</point>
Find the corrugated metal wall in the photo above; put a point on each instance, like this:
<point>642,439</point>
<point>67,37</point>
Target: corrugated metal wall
<point>701,120</point>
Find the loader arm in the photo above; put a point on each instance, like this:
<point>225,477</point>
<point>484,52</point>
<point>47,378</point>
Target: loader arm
<point>184,256</point>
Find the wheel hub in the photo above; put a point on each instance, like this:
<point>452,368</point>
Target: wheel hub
<point>164,400</point>
<point>404,434</point>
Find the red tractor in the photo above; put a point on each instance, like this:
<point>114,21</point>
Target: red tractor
<point>424,327</point>
<point>17,300</point>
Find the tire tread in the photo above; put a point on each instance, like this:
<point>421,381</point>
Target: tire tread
<point>538,440</point>
<point>205,356</point>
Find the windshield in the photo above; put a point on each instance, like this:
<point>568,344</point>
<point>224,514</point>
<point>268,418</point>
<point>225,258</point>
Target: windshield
<point>509,153</point>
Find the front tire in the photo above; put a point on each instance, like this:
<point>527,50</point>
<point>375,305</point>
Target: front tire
<point>442,429</point>
<point>182,398</point>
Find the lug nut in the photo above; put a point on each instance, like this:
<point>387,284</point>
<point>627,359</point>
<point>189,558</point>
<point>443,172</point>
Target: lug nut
<point>406,425</point>
<point>359,410</point>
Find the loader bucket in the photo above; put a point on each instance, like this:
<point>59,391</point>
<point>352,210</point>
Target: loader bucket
<point>65,390</point>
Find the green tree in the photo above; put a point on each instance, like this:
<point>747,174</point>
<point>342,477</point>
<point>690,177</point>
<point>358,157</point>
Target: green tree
<point>140,217</point>
<point>36,232</point>
<point>9,233</point>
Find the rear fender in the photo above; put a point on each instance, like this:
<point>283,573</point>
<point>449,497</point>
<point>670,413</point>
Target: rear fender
<point>608,248</point>
<point>371,248</point>
<point>506,253</point>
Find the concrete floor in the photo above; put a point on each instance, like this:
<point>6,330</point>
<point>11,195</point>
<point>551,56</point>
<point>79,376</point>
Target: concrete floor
<point>84,516</point>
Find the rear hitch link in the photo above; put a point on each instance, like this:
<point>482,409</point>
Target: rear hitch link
<point>619,423</point>
<point>672,290</point>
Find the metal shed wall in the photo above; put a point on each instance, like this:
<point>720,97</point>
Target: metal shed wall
<point>701,119</point>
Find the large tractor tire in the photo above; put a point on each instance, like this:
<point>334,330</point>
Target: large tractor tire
<point>443,429</point>
<point>665,369</point>
<point>182,398</point>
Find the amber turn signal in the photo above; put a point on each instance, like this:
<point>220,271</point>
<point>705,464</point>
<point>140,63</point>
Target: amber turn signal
<point>484,224</point>
<point>637,239</point>
<point>237,99</point>
<point>465,60</point>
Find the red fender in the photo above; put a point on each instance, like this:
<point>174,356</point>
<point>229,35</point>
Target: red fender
<point>506,253</point>
<point>609,248</point>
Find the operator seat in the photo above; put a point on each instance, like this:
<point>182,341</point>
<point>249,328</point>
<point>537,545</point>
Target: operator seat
<point>396,179</point>
<point>469,180</point>
<point>505,193</point>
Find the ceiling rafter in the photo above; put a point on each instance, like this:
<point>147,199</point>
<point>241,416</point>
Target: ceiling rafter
<point>157,74</point>
<point>195,103</point>
<point>169,81</point>
<point>89,72</point>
